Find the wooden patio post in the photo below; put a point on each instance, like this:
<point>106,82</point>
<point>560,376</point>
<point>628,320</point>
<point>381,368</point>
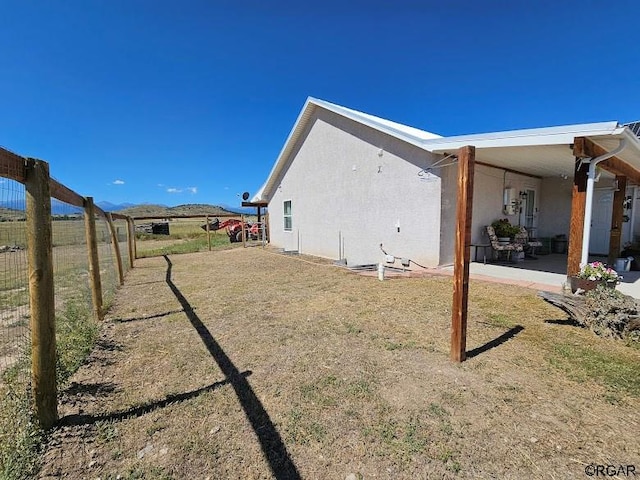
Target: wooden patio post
<point>578,205</point>
<point>116,247</point>
<point>94,261</point>
<point>616,218</point>
<point>266,225</point>
<point>466,163</point>
<point>41,292</point>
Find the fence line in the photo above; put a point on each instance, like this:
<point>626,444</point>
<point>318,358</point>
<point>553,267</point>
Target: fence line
<point>14,294</point>
<point>84,250</point>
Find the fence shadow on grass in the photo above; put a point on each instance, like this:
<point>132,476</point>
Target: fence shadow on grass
<point>147,317</point>
<point>271,442</point>
<point>564,321</point>
<point>86,419</point>
<point>508,335</point>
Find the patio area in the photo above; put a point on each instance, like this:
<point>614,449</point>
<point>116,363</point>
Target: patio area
<point>547,270</point>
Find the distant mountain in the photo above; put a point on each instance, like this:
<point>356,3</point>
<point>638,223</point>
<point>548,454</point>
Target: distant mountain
<point>161,211</point>
<point>114,207</point>
<point>61,208</point>
<point>17,204</point>
<point>57,207</point>
<point>17,207</point>
<point>7,214</point>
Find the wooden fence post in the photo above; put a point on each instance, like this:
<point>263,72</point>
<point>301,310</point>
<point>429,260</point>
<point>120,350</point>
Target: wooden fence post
<point>466,163</point>
<point>116,247</point>
<point>41,292</point>
<point>94,261</point>
<point>133,235</point>
<point>244,233</point>
<point>130,241</point>
<point>208,233</point>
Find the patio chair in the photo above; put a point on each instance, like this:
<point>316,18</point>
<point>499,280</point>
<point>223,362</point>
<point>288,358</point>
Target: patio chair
<point>502,248</point>
<point>529,245</point>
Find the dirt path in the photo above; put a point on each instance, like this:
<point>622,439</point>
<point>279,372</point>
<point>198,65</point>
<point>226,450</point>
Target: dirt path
<point>248,364</point>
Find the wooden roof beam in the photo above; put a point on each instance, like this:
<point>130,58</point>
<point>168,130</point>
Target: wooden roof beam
<point>585,148</point>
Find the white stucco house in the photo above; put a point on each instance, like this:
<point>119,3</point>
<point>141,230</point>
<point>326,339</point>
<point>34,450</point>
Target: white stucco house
<point>346,182</point>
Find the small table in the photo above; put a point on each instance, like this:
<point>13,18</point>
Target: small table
<point>484,247</point>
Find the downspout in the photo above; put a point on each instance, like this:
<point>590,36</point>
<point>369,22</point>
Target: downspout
<point>586,231</point>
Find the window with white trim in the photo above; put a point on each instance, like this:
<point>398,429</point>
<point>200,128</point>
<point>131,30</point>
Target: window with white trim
<point>288,220</point>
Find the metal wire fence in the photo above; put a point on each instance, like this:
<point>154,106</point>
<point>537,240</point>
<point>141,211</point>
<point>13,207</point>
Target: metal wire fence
<point>14,294</point>
<point>75,255</point>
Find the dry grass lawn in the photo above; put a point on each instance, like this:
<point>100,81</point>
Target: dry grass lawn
<point>249,364</point>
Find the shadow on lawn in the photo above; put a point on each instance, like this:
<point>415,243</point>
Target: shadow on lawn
<point>565,321</point>
<point>147,317</point>
<point>86,419</point>
<point>508,335</point>
<point>271,442</point>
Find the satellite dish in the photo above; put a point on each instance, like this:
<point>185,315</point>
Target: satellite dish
<point>245,196</point>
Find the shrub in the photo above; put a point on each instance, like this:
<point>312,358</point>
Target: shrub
<point>503,228</point>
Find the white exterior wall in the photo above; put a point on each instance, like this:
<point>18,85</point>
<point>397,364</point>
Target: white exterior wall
<point>448,220</point>
<point>341,189</point>
<point>488,189</point>
<point>555,207</point>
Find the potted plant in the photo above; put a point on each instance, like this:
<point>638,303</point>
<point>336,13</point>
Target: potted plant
<point>504,230</point>
<point>593,274</point>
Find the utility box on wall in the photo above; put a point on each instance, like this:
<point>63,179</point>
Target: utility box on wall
<point>509,202</point>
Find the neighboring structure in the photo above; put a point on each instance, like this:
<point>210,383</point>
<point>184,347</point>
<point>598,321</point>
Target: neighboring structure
<point>346,182</point>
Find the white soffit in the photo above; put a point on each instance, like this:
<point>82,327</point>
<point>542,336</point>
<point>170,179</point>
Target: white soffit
<point>541,160</point>
<point>563,135</point>
<point>543,152</point>
<point>631,153</point>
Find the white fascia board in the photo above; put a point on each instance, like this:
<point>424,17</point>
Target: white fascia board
<point>396,129</point>
<point>563,135</point>
<point>267,187</point>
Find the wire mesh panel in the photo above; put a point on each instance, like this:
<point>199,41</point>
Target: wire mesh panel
<point>70,258</point>
<point>14,285</point>
<point>108,266</point>
<point>73,302</point>
<point>121,233</point>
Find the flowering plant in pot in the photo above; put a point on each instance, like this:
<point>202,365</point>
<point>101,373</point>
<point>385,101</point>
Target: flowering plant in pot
<point>504,229</point>
<point>593,274</point>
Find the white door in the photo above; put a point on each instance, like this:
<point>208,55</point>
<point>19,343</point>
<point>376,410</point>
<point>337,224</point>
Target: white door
<point>601,221</point>
<point>529,210</point>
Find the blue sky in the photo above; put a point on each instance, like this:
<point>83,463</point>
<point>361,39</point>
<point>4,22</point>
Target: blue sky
<point>191,101</point>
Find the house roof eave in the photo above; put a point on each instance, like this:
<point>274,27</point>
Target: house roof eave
<point>408,134</point>
<point>563,135</point>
